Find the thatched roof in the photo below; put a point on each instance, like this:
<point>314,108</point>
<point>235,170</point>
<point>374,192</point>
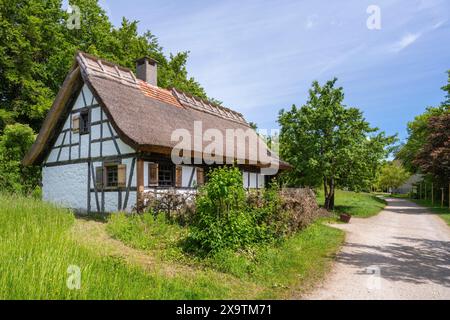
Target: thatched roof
<point>143,115</point>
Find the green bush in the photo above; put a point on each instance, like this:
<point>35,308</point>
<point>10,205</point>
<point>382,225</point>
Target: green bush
<point>227,218</point>
<point>14,177</point>
<point>222,220</point>
<point>267,208</point>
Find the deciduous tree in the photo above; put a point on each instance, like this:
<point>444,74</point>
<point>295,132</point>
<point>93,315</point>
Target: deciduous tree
<point>329,143</point>
<point>392,175</point>
<point>434,156</point>
<point>37,49</point>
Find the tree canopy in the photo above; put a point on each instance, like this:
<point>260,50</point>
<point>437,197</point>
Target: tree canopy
<point>434,156</point>
<point>419,131</point>
<point>37,49</point>
<point>330,144</point>
<point>392,175</point>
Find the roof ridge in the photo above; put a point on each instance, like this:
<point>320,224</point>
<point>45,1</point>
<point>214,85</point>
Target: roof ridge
<point>91,56</point>
<point>207,106</point>
<point>100,67</point>
<point>95,66</point>
<point>206,101</point>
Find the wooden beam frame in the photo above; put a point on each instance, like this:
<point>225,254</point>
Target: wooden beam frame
<point>130,179</point>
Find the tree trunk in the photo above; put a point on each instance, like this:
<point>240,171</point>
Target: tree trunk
<point>329,193</point>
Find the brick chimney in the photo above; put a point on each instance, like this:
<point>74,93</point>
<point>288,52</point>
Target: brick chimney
<point>147,70</point>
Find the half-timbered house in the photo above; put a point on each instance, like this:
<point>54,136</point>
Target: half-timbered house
<point>108,138</point>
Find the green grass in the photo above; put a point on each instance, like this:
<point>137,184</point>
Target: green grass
<point>36,251</point>
<point>277,269</point>
<point>361,205</point>
<point>37,246</point>
<point>302,259</point>
<point>444,213</point>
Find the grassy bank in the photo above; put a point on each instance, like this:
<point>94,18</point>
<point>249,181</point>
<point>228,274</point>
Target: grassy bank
<point>36,252</point>
<point>361,205</point>
<point>37,247</point>
<point>278,269</point>
<point>444,213</point>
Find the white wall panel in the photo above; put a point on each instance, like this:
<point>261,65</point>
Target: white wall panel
<point>66,185</point>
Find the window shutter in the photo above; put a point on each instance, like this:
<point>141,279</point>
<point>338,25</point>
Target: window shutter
<point>178,176</point>
<point>99,177</point>
<point>153,174</point>
<point>121,175</point>
<point>76,123</point>
<point>200,177</point>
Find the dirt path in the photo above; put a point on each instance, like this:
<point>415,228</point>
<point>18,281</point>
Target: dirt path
<point>402,253</point>
<point>93,234</point>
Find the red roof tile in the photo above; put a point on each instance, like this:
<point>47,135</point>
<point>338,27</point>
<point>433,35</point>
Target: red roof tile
<point>158,93</point>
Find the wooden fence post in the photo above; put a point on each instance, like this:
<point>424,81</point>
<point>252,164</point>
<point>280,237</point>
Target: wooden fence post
<point>442,197</point>
<point>432,195</point>
<point>425,191</point>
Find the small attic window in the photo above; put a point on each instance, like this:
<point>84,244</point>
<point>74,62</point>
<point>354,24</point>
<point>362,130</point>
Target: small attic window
<point>84,122</point>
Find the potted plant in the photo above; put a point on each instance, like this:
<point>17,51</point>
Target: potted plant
<point>345,217</point>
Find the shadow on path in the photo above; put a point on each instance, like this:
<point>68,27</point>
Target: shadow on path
<point>413,260</point>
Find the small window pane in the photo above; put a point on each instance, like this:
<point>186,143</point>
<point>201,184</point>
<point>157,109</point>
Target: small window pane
<point>165,175</point>
<point>111,176</point>
<point>84,122</point>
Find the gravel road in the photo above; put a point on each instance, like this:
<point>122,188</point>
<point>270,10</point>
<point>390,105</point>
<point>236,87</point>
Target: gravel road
<point>402,253</point>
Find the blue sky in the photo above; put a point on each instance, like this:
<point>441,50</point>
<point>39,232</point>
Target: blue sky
<point>260,56</point>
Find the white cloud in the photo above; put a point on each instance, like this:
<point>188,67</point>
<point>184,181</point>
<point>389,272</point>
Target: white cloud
<point>438,25</point>
<point>311,21</point>
<point>410,38</point>
<point>405,41</point>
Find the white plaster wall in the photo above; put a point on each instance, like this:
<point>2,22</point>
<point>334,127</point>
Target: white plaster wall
<point>109,148</point>
<point>106,132</point>
<point>245,178</point>
<point>261,179</point>
<point>186,176</point>
<point>124,148</point>
<point>66,185</point>
<point>112,201</point>
<point>59,141</point>
<point>145,174</point>
<point>112,197</point>
<point>95,149</point>
<point>79,103</point>
<point>52,156</point>
<point>252,180</point>
<point>178,191</point>
<point>74,151</point>
<point>75,137</point>
<point>95,132</point>
<point>67,124</point>
<point>128,162</point>
<point>95,114</point>
<point>64,154</point>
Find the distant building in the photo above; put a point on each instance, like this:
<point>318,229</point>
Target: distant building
<point>408,186</point>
